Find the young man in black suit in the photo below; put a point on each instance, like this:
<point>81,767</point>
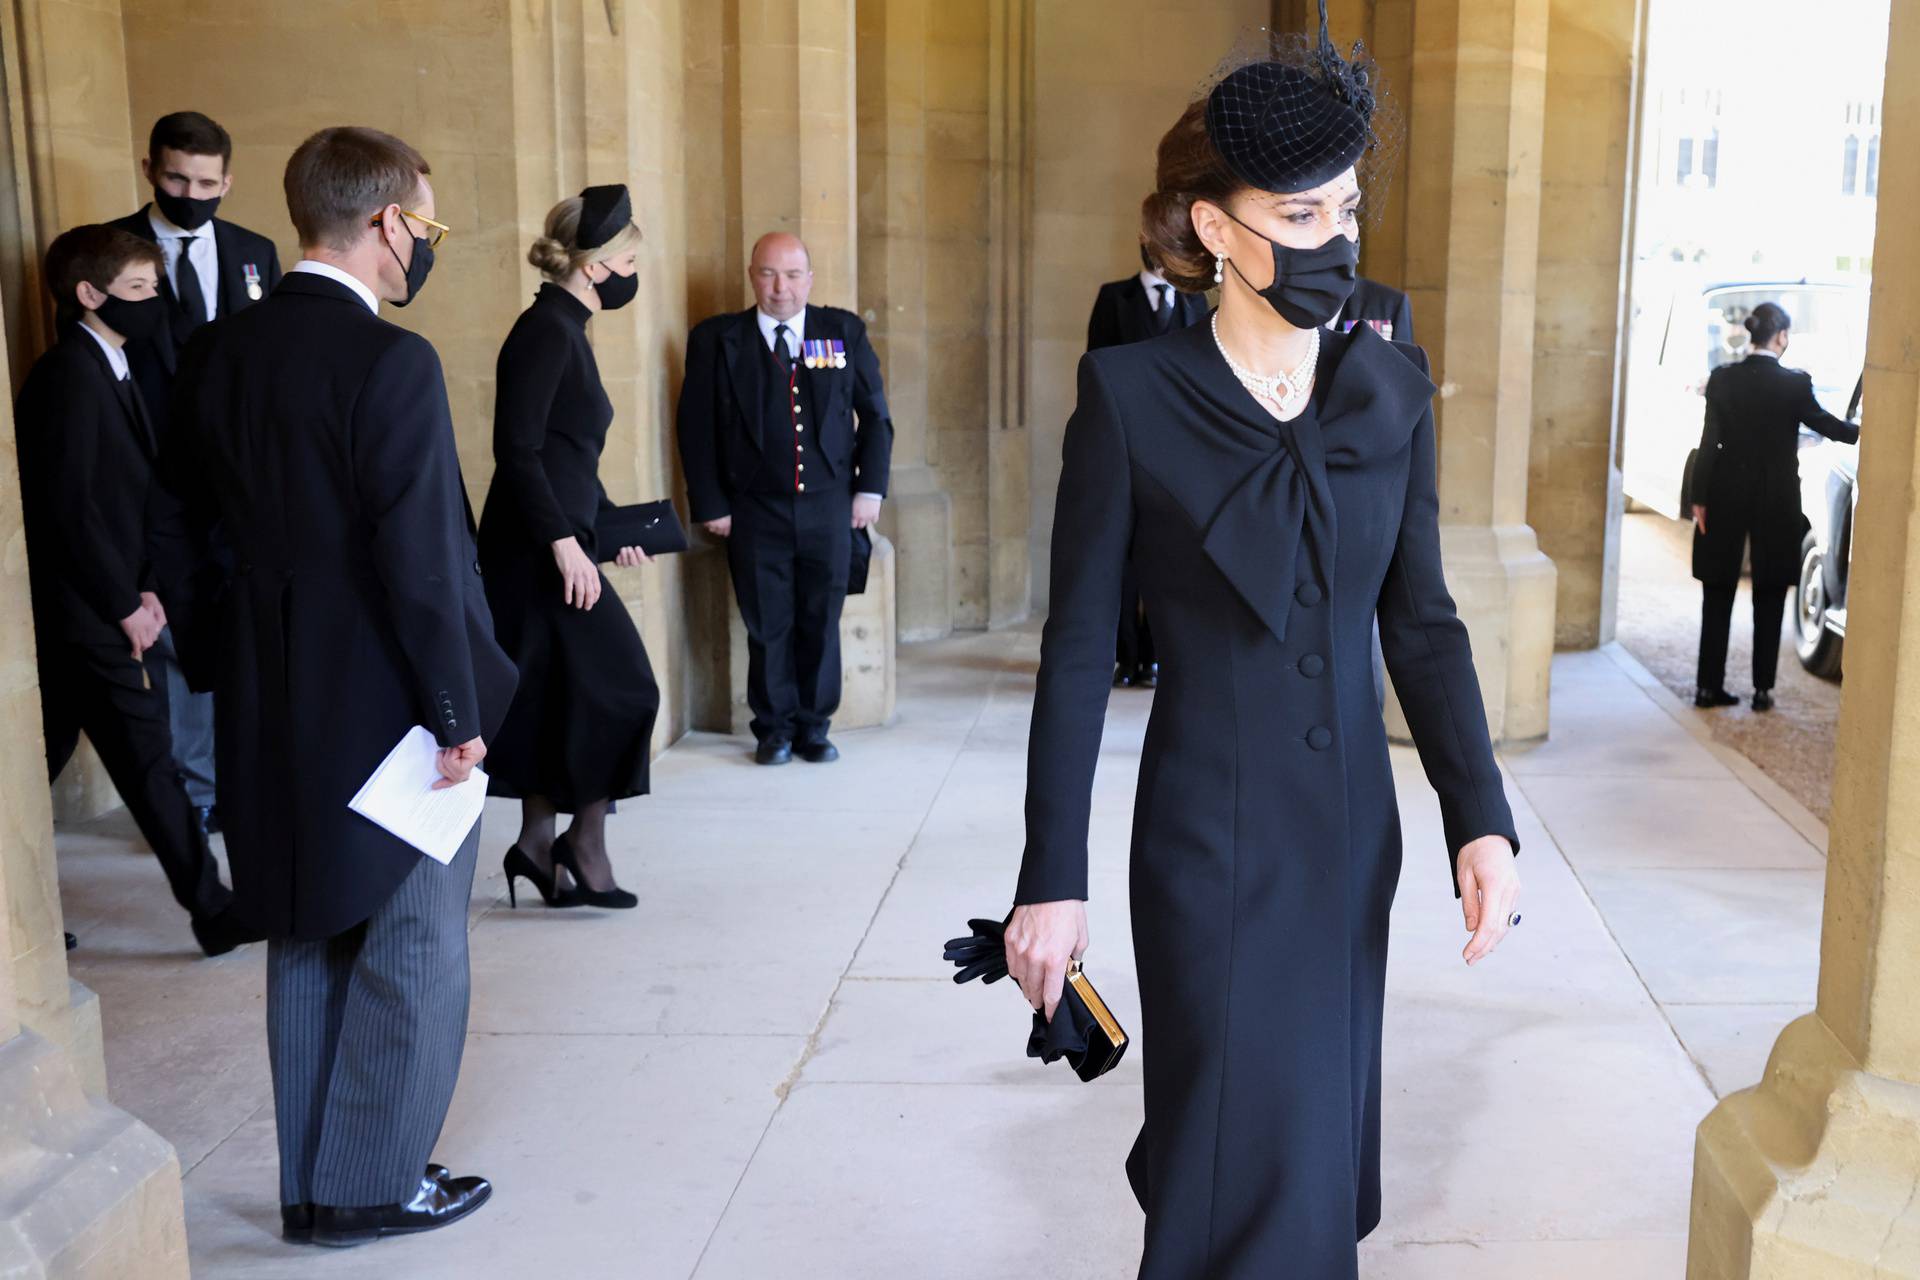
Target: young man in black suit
<point>1132,310</point>
<point>211,268</point>
<point>86,446</point>
<point>320,435</point>
<point>785,439</point>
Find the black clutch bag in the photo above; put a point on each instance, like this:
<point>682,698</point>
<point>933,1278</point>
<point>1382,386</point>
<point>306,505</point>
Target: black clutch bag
<point>654,527</point>
<point>858,562</point>
<point>1083,1031</point>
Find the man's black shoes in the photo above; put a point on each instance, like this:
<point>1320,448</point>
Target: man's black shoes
<point>820,752</point>
<point>296,1220</point>
<point>1709,698</point>
<point>1763,699</point>
<point>773,751</point>
<point>439,1202</point>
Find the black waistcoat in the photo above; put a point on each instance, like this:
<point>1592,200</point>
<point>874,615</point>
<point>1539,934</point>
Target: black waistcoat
<point>783,449</point>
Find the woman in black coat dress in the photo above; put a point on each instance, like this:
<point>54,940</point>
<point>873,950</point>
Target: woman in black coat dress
<point>1268,518</point>
<point>579,735</point>
<point>1746,485</point>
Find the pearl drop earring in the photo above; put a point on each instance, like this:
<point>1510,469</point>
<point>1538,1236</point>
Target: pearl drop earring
<point>1219,268</point>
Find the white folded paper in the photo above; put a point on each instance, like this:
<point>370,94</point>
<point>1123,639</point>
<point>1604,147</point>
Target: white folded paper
<point>400,797</point>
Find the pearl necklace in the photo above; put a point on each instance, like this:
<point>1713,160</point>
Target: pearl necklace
<point>1284,389</point>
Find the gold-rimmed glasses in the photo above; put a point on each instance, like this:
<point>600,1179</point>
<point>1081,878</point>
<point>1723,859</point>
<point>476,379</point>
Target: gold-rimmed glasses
<point>436,231</point>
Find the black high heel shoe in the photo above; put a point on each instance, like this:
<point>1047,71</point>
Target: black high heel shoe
<point>614,899</point>
<point>519,866</point>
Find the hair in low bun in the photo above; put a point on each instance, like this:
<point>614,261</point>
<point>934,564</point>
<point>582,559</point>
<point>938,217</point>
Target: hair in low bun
<point>550,258</point>
<point>554,254</point>
<point>1189,169</point>
<point>1766,320</point>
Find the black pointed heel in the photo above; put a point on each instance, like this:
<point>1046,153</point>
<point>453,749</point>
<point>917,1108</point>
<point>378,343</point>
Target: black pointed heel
<point>614,899</point>
<point>519,866</point>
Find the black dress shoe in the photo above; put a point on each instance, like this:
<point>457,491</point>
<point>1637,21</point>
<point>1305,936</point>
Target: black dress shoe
<point>219,934</point>
<point>821,752</point>
<point>439,1202</point>
<point>773,751</point>
<point>1763,699</point>
<point>1707,698</point>
<point>1123,677</point>
<point>296,1220</point>
<point>1148,676</point>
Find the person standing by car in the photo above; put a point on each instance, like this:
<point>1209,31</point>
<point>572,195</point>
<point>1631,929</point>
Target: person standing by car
<point>1746,486</point>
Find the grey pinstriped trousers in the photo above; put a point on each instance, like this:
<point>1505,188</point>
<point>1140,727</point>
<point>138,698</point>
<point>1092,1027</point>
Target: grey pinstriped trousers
<point>364,1033</point>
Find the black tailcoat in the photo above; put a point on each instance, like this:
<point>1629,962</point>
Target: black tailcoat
<point>155,360</point>
<point>320,435</point>
<point>1266,844</point>
<point>1381,307</point>
<point>1747,473</point>
<point>1122,313</point>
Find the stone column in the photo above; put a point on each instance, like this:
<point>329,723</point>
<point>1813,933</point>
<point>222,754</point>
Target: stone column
<point>1812,1174</point>
<point>1475,125</point>
<point>1579,355</point>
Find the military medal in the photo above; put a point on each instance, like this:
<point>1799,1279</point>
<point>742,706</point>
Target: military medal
<point>254,291</point>
<point>837,357</point>
<point>810,353</point>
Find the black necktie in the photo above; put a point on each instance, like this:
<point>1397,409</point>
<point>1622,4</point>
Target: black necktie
<point>780,347</point>
<point>1162,308</point>
<point>186,287</point>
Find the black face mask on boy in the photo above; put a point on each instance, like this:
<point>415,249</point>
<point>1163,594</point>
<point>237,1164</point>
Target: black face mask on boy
<point>1309,285</point>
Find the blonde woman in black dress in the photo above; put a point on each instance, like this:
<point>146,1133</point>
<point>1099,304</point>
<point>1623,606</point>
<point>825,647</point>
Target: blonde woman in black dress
<point>1273,484</point>
<point>579,734</point>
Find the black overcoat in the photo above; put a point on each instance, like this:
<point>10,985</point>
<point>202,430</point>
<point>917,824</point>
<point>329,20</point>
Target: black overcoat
<point>581,726</point>
<point>1266,842</point>
<point>720,419</point>
<point>320,435</point>
<point>1121,313</point>
<point>86,471</point>
<point>1747,473</point>
<point>156,359</point>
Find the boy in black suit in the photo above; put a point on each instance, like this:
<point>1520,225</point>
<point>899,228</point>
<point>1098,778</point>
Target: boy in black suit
<point>87,447</point>
<point>210,268</point>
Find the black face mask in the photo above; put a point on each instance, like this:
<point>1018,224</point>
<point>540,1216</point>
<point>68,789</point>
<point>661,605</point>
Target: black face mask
<point>616,291</point>
<point>1309,285</point>
<point>417,272</point>
<point>134,321</point>
<point>183,212</point>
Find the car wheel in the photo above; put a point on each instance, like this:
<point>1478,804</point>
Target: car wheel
<point>1817,647</point>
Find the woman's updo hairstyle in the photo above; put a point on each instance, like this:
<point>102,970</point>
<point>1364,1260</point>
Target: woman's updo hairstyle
<point>555,254</point>
<point>1766,320</point>
<point>1190,168</point>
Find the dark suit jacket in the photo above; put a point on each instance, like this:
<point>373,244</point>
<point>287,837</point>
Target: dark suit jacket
<point>1747,473</point>
<point>155,360</point>
<point>1121,313</point>
<point>86,471</point>
<point>1377,304</point>
<point>720,418</point>
<point>320,435</point>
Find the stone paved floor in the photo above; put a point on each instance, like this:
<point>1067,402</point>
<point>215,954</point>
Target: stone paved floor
<point>764,1072</point>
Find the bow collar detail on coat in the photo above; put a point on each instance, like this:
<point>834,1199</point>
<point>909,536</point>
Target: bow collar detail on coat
<point>1374,396</point>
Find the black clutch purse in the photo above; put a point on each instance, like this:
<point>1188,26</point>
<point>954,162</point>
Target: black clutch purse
<point>858,562</point>
<point>1083,1031</point>
<point>654,527</point>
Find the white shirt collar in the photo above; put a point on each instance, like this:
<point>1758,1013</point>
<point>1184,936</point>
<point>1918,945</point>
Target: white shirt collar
<point>1762,351</point>
<point>326,270</point>
<point>116,356</point>
<point>1148,279</point>
<point>164,229</point>
<point>796,326</point>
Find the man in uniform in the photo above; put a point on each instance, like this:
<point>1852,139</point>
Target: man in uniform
<point>211,268</point>
<point>785,440</point>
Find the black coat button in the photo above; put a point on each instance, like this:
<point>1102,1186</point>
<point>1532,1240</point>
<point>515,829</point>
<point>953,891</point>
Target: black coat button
<point>1319,737</point>
<point>1309,594</point>
<point>1312,665</point>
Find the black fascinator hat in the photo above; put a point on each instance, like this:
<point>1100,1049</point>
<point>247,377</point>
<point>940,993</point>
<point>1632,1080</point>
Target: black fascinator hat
<point>1290,114</point>
<point>604,213</point>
